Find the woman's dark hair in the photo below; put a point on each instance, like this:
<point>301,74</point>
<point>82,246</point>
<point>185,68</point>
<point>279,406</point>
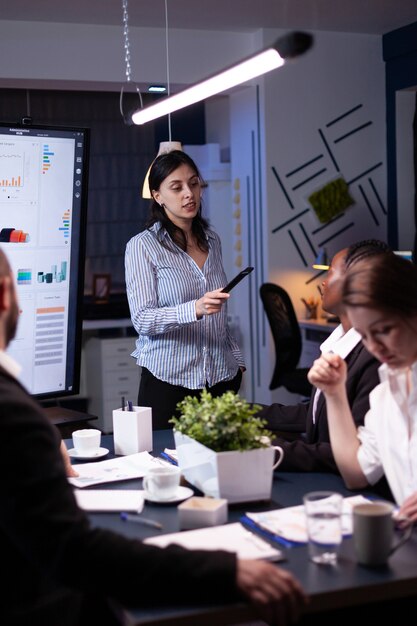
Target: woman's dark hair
<point>162,167</point>
<point>385,282</point>
<point>364,249</point>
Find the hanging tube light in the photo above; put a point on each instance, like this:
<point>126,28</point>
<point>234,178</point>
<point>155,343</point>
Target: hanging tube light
<point>287,47</point>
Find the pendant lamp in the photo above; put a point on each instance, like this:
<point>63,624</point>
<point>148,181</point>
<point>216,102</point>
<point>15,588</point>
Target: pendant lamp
<point>164,148</point>
<point>287,47</point>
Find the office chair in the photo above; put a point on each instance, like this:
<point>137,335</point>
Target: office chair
<point>287,338</point>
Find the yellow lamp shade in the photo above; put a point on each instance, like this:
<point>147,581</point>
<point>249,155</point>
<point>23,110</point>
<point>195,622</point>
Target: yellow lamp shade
<point>164,148</point>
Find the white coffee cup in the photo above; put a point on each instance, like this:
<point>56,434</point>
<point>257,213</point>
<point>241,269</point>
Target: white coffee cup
<point>86,441</point>
<point>373,533</point>
<point>280,456</point>
<point>162,482</point>
<point>280,452</point>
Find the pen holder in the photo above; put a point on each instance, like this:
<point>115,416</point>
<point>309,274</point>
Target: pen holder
<point>132,430</point>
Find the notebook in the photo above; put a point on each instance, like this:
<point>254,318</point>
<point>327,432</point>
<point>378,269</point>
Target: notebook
<point>230,537</point>
<point>110,499</point>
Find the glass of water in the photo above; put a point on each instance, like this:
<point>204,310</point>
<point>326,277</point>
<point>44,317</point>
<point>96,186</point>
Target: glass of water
<point>323,511</point>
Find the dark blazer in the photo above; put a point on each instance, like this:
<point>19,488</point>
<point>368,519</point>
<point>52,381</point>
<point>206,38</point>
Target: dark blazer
<point>58,570</point>
<point>312,452</point>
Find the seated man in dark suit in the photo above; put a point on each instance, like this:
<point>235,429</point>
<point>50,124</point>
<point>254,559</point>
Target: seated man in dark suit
<point>60,570</point>
<point>312,451</point>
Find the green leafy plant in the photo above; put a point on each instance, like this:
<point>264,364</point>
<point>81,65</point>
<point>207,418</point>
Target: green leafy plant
<point>225,423</point>
<point>330,200</point>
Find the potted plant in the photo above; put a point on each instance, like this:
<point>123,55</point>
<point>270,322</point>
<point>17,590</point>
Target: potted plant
<point>224,449</point>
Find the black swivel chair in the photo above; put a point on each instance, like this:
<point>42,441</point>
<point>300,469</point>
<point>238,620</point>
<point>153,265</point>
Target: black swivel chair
<point>287,338</point>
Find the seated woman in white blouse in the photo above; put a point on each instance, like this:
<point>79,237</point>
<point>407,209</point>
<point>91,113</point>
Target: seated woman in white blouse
<point>380,295</point>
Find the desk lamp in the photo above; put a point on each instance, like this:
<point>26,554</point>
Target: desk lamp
<point>322,260</point>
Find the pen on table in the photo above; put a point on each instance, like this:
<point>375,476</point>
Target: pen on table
<point>166,456</point>
<point>269,537</point>
<point>128,517</point>
<point>129,405</point>
<point>123,403</point>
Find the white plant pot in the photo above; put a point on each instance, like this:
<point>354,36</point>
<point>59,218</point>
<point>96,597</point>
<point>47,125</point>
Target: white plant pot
<point>236,476</point>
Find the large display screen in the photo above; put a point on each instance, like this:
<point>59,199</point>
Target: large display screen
<point>43,200</point>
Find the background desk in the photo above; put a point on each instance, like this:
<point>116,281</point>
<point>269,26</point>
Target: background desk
<point>343,587</point>
<point>313,333</point>
<point>68,420</point>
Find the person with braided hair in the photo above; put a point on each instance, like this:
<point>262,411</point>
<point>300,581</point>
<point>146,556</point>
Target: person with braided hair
<point>312,451</point>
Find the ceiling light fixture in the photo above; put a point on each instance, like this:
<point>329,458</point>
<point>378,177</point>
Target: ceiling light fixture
<point>164,148</point>
<point>287,47</point>
<point>157,89</point>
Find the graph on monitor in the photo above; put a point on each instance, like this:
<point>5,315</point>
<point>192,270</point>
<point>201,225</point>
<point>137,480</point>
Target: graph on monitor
<point>43,201</point>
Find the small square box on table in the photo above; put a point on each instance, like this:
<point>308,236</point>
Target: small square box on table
<point>132,430</point>
<point>197,512</point>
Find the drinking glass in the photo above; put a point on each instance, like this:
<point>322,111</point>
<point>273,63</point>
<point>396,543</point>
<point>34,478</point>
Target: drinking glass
<point>323,511</point>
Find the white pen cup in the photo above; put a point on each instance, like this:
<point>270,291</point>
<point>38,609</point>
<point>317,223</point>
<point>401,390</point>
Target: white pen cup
<point>323,510</point>
<point>86,441</point>
<point>132,430</point>
<point>162,482</point>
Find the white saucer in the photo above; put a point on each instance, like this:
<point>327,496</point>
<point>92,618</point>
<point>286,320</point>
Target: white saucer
<point>96,455</point>
<point>182,494</point>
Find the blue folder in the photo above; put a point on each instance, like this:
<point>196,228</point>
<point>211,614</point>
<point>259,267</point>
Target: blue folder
<point>266,534</point>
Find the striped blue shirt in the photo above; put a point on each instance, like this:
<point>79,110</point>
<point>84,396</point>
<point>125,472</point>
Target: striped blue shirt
<point>162,288</point>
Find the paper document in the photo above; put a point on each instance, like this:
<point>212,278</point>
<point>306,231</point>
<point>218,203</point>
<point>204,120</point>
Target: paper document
<point>110,499</point>
<point>230,537</point>
<point>121,468</point>
<point>290,523</point>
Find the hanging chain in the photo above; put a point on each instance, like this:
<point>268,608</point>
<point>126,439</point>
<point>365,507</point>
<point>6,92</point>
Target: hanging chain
<point>127,59</point>
<point>126,39</point>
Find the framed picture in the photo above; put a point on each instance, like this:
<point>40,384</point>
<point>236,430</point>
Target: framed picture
<point>101,287</point>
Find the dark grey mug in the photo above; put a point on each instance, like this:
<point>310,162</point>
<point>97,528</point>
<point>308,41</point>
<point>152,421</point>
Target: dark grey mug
<point>373,533</point>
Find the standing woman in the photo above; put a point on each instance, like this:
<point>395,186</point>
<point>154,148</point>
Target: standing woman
<point>380,296</point>
<point>174,277</point>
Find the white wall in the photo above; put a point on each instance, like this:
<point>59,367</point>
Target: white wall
<point>217,116</point>
<point>246,246</point>
<point>405,110</point>
<point>90,56</point>
<point>285,125</point>
<point>302,104</point>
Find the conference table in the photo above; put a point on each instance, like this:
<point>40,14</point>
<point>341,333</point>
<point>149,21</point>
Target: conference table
<point>346,589</point>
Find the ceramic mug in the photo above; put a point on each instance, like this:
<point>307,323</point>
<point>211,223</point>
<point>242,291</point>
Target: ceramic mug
<point>267,442</point>
<point>373,533</point>
<point>86,441</point>
<point>280,456</point>
<point>162,482</point>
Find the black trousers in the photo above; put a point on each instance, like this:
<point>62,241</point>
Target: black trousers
<point>163,397</point>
